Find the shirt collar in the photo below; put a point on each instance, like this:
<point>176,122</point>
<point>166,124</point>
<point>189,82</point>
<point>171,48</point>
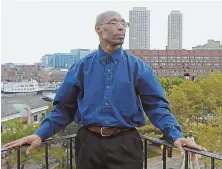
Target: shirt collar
<point>116,55</point>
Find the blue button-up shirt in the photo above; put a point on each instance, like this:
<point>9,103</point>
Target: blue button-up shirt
<point>110,90</point>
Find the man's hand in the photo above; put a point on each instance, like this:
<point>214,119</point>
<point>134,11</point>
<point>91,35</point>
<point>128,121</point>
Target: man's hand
<point>33,140</point>
<point>180,142</point>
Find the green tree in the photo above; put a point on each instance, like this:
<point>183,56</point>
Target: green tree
<point>212,90</point>
<point>16,129</point>
<point>198,107</point>
<point>167,83</point>
<point>180,105</point>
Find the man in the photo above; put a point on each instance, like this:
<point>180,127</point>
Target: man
<point>107,92</point>
<point>192,158</point>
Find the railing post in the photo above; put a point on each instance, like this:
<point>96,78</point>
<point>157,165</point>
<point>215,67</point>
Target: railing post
<point>70,155</point>
<point>212,163</point>
<point>145,153</point>
<point>164,157</point>
<point>67,153</point>
<point>46,156</point>
<point>18,158</point>
<point>186,159</point>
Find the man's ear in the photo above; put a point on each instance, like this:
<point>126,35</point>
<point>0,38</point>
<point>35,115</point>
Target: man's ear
<point>98,29</point>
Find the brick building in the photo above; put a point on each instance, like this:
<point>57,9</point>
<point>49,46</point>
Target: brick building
<point>170,63</point>
<point>16,73</point>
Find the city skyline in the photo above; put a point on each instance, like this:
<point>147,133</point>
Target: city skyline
<point>31,29</point>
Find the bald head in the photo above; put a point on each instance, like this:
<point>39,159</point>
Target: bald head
<point>102,16</point>
<point>111,28</point>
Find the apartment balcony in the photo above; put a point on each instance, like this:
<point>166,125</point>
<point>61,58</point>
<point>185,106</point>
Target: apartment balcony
<point>63,149</point>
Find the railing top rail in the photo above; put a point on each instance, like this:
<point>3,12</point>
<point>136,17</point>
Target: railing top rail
<point>46,141</point>
<point>163,142</point>
<point>156,140</point>
<point>151,139</point>
<point>204,153</point>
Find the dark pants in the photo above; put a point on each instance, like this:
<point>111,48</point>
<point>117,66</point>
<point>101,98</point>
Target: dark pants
<point>122,151</point>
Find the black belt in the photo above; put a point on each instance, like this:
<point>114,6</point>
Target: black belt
<point>108,131</point>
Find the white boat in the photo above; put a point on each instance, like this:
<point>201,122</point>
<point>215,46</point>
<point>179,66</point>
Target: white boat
<point>21,87</point>
<point>2,85</point>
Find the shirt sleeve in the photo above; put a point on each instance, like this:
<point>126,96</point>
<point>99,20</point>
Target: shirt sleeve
<point>155,104</point>
<point>64,105</point>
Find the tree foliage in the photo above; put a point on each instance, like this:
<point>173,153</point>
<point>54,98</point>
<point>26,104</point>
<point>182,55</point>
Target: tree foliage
<point>197,106</point>
<point>16,129</point>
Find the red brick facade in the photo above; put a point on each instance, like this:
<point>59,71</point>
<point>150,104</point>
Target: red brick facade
<point>18,73</point>
<point>169,63</point>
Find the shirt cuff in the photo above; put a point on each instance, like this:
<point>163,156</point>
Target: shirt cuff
<point>175,135</point>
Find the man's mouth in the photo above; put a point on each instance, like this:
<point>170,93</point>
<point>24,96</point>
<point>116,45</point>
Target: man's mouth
<point>120,36</point>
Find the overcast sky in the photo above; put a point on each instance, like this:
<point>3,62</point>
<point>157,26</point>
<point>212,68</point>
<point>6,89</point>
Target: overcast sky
<point>33,28</point>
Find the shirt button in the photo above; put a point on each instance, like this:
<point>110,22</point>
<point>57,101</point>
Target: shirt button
<point>107,86</point>
<point>109,70</point>
<point>106,103</point>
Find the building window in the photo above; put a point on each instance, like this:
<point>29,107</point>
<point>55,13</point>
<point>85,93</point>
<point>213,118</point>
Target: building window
<point>36,118</point>
<point>1,129</point>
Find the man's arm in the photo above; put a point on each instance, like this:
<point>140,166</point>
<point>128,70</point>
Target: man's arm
<point>157,108</point>
<point>155,104</point>
<point>64,105</point>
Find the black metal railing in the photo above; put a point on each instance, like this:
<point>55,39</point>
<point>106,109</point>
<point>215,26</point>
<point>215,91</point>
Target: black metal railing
<point>166,145</point>
<point>70,142</point>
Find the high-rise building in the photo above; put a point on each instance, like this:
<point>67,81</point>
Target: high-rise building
<point>175,23</point>
<point>139,29</point>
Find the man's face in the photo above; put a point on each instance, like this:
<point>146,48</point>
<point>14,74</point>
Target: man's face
<point>190,134</point>
<point>112,29</point>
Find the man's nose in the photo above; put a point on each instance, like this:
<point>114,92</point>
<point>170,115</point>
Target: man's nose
<point>121,27</point>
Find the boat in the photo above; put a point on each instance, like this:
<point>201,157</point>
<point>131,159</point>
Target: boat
<point>21,87</point>
<point>2,85</point>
